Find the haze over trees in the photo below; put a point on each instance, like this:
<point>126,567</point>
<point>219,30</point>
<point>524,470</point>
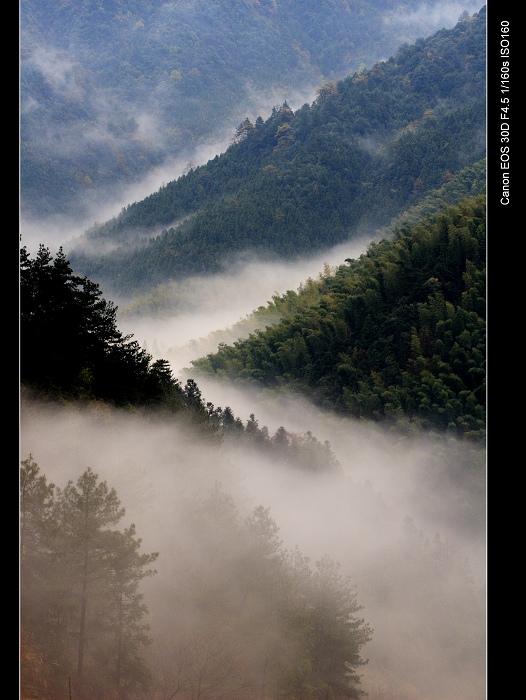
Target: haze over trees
<point>275,627</point>
<point>81,612</point>
<point>370,147</point>
<point>333,548</point>
<point>111,90</point>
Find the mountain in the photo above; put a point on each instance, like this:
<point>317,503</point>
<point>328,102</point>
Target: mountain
<point>370,147</point>
<point>110,90</point>
<point>168,450</point>
<point>72,353</point>
<point>398,334</point>
<point>267,540</point>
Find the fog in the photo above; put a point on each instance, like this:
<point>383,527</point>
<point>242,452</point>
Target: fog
<point>358,517</point>
<point>61,71</point>
<point>68,230</point>
<point>388,480</point>
<point>429,17</point>
<point>210,307</point>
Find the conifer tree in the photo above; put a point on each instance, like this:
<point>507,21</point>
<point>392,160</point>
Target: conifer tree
<point>83,514</point>
<point>80,581</point>
<point>126,609</point>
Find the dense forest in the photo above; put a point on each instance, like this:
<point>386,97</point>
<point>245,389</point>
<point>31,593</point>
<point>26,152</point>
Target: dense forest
<point>185,294</point>
<point>110,90</point>
<point>72,351</point>
<point>398,333</point>
<point>298,628</point>
<point>327,542</point>
<point>370,147</point>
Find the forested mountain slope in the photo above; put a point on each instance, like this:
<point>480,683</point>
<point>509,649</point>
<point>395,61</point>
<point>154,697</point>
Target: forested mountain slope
<point>72,353</point>
<point>111,89</point>
<point>396,334</point>
<point>367,149</point>
<point>77,369</point>
<point>184,295</point>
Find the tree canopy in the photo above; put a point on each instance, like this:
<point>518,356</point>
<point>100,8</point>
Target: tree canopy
<point>250,615</point>
<point>395,335</point>
<point>81,610</point>
<point>370,147</point>
<point>69,340</point>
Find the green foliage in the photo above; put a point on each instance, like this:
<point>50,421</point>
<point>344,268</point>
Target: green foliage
<point>80,581</point>
<point>397,334</point>
<point>193,66</point>
<point>372,146</point>
<point>70,345</point>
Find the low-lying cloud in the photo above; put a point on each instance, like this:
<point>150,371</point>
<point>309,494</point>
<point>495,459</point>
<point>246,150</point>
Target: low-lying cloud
<point>378,518</point>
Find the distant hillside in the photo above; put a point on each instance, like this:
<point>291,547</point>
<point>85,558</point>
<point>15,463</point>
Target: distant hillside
<point>73,354</point>
<point>396,335</point>
<point>111,89</point>
<point>368,149</point>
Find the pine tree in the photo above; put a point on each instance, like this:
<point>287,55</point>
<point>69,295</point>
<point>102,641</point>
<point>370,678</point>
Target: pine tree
<point>101,571</point>
<point>83,514</point>
<point>36,502</point>
<point>337,634</point>
<point>126,610</point>
<point>69,340</point>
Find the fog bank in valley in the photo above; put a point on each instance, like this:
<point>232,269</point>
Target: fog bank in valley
<point>68,230</point>
<point>214,304</point>
<point>396,528</point>
<point>70,137</point>
<point>405,517</point>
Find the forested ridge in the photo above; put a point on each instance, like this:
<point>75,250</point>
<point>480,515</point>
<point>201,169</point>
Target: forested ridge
<point>371,146</point>
<point>109,90</point>
<point>398,333</point>
<point>72,352</point>
<point>385,352</point>
<point>183,294</point>
<point>298,628</point>
<point>80,576</point>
